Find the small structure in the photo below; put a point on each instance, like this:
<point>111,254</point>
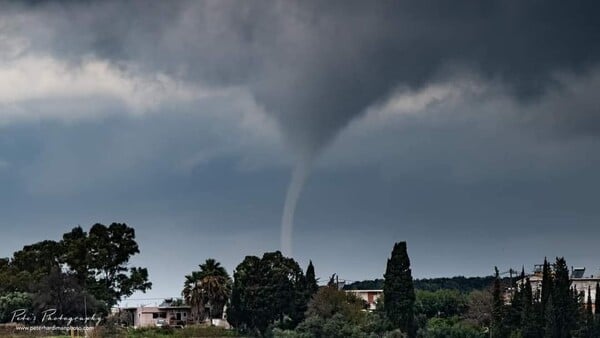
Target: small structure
<point>168,312</point>
<point>369,296</point>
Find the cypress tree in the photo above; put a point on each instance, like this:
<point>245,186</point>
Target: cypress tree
<point>514,318</point>
<point>547,281</point>
<point>497,327</point>
<point>528,322</point>
<point>311,280</point>
<point>550,329</point>
<point>398,291</point>
<point>563,300</point>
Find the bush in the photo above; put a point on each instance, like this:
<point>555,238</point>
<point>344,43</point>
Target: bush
<point>450,328</point>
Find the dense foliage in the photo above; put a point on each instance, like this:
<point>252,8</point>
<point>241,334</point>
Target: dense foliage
<point>557,310</point>
<point>268,291</point>
<point>82,273</point>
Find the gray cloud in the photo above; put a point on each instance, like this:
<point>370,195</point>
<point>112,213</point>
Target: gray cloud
<point>512,151</point>
<point>316,66</point>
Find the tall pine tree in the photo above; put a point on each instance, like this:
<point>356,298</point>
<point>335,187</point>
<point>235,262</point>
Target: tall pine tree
<point>399,292</point>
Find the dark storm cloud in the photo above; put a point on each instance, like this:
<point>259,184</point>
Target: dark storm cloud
<point>315,66</point>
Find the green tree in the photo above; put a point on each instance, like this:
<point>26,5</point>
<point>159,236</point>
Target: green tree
<point>564,305</point>
<point>311,280</point>
<point>589,323</point>
<point>12,301</point>
<point>450,327</point>
<point>441,303</point>
<point>109,250</point>
<point>61,291</point>
<point>551,328</point>
<point>75,253</point>
<point>547,284</point>
<point>215,286</point>
<point>192,294</point>
<point>497,328</point>
<point>515,310</point>
<point>268,290</point>
<point>398,290</point>
<point>37,259</point>
<point>479,308</point>
<point>529,327</point>
<point>329,301</point>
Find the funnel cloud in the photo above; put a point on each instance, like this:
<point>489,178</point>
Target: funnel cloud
<point>312,66</point>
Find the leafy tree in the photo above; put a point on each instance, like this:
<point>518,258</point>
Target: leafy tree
<point>329,301</point>
<point>267,290</point>
<point>75,253</point>
<point>398,290</point>
<point>37,259</point>
<point>109,251</point>
<point>60,291</point>
<point>450,327</point>
<point>311,280</point>
<point>440,303</point>
<point>12,301</point>
<point>479,308</point>
<point>335,313</point>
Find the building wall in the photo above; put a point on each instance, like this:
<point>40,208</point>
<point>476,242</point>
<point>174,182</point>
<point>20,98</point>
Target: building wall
<point>369,296</point>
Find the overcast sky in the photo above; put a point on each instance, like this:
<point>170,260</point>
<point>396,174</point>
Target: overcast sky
<point>470,130</point>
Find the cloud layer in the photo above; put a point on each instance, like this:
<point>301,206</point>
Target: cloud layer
<point>435,122</point>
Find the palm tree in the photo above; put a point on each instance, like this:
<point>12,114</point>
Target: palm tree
<point>217,290</point>
<point>211,286</point>
<point>192,294</point>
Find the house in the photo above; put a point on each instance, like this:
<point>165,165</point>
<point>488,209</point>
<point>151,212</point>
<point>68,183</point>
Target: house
<point>369,296</point>
<point>579,281</point>
<point>168,312</point>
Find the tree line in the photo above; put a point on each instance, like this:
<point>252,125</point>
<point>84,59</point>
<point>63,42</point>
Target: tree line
<point>272,296</point>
